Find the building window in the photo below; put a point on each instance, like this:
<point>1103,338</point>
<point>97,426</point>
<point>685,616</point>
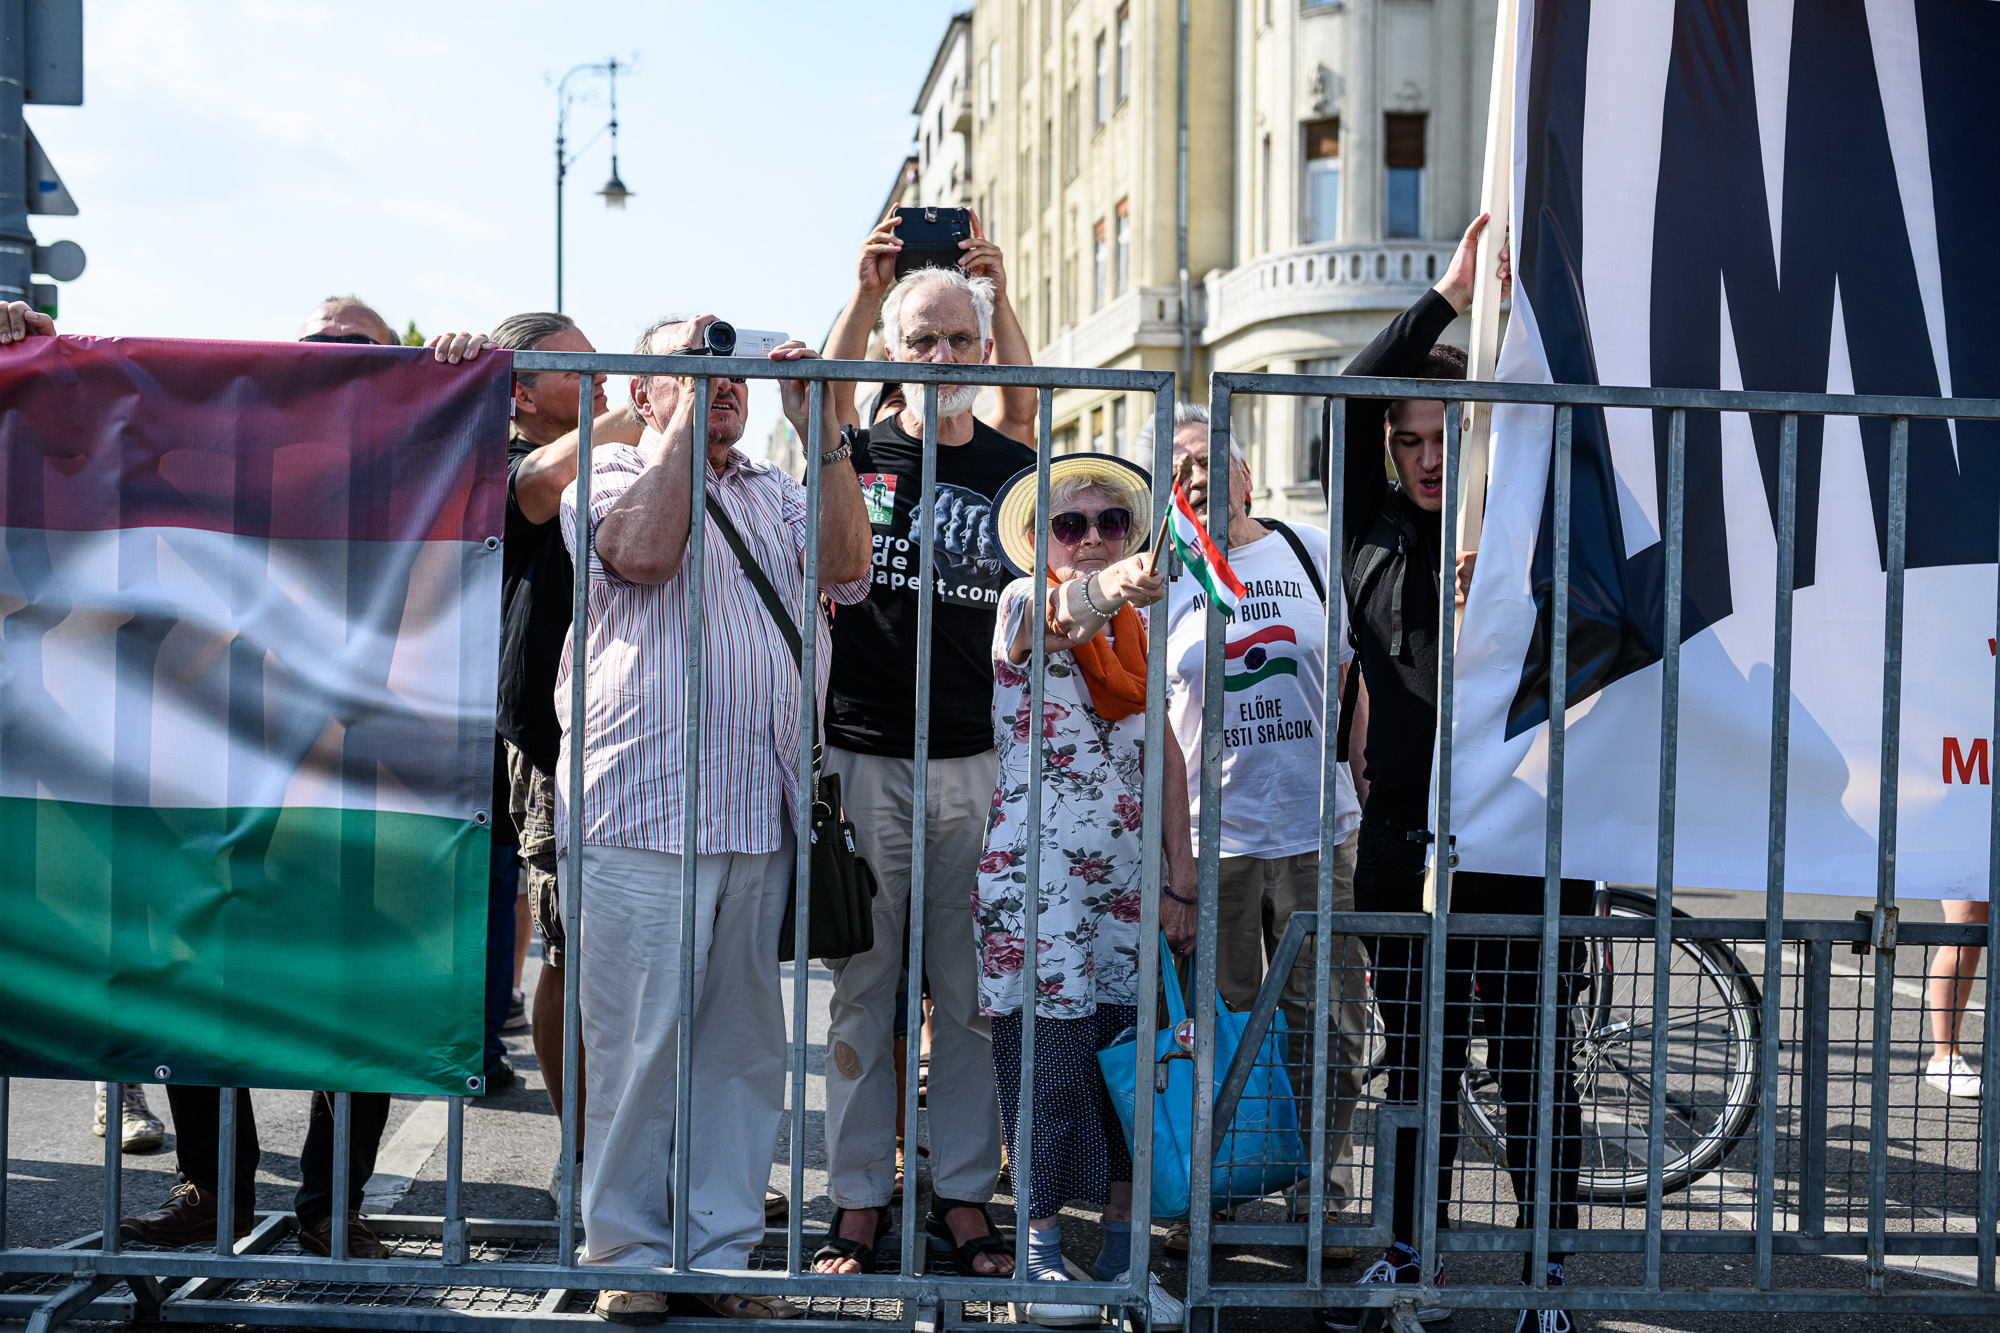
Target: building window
<point>1118,425</point>
<point>1323,180</point>
<point>1101,96</point>
<point>1048,307</point>
<point>1100,267</point>
<point>1403,158</point>
<point>1021,210</point>
<point>1122,270</point>
<point>1069,288</point>
<point>1048,26</point>
<point>1072,133</point>
<point>1097,430</point>
<point>1264,197</point>
<point>1123,86</point>
<point>1048,161</point>
<point>992,77</point>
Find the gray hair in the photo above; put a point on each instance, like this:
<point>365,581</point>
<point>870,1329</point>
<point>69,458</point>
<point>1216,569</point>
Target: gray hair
<point>1185,414</point>
<point>978,290</point>
<point>526,333</point>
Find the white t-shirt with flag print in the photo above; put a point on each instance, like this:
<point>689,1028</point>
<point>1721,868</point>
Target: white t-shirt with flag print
<point>1274,682</point>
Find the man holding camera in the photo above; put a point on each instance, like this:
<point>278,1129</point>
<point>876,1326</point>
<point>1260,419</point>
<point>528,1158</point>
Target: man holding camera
<point>629,953</point>
<point>933,314</point>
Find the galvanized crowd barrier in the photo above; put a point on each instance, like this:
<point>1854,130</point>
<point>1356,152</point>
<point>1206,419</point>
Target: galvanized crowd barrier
<point>454,1272</point>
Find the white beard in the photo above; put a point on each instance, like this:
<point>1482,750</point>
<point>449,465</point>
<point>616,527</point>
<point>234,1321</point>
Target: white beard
<point>957,400</point>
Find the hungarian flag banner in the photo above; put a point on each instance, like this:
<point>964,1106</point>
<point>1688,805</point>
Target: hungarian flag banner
<point>1198,552</point>
<point>249,630</point>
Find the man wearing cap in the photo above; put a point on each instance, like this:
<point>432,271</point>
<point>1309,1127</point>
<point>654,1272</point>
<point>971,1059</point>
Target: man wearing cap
<point>943,315</point>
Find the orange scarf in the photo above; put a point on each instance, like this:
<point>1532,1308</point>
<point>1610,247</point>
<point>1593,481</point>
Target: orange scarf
<point>1115,672</point>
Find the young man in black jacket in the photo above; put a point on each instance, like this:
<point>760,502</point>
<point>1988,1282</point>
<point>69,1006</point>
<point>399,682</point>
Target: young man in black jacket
<point>1393,545</point>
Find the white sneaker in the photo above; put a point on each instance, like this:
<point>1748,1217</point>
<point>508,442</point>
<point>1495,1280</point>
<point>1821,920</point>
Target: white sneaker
<point>1955,1077</point>
<point>555,1191</point>
<point>1056,1314</point>
<point>1166,1310</point>
<point>139,1129</point>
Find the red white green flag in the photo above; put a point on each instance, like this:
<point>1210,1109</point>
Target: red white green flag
<point>1196,550</point>
<point>251,598</point>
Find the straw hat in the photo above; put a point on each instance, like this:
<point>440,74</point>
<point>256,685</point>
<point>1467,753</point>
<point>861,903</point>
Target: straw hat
<point>1012,516</point>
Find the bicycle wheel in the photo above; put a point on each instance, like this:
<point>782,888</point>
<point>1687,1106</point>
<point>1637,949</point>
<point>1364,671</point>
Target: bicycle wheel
<point>1712,1062</point>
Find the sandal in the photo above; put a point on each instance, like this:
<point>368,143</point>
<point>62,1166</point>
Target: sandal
<point>992,1242</point>
<point>837,1246</point>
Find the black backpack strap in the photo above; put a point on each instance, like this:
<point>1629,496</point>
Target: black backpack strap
<point>1299,550</point>
<point>1385,538</point>
<point>769,595</point>
<point>1349,697</point>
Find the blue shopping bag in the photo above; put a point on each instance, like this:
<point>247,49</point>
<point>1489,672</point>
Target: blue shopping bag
<point>1258,1153</point>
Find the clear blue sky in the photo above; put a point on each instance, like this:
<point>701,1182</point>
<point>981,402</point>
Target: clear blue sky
<point>235,161</point>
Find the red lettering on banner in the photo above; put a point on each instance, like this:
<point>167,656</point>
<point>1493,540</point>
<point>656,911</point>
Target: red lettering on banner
<point>1965,760</point>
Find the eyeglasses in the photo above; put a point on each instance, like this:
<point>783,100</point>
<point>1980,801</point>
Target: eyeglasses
<point>1070,528</point>
<point>924,344</point>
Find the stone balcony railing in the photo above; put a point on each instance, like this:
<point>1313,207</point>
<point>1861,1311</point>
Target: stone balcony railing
<point>1142,317</point>
<point>1321,279</point>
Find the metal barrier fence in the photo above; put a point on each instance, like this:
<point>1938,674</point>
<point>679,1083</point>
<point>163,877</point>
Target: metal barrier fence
<point>1653,1192</point>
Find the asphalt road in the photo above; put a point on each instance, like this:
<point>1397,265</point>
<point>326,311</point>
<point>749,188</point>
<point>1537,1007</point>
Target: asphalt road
<point>511,1146</point>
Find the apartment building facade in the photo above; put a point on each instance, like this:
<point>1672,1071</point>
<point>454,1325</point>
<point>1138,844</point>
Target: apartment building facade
<point>1333,158</point>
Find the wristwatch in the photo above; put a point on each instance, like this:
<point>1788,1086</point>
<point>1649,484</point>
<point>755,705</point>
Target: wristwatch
<point>835,454</point>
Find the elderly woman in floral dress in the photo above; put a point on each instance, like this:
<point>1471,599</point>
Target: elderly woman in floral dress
<point>1092,744</point>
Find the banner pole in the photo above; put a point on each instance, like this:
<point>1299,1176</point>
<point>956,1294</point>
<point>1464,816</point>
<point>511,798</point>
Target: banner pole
<point>1496,200</point>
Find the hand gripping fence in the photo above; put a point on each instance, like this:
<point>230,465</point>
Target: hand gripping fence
<point>1725,1152</point>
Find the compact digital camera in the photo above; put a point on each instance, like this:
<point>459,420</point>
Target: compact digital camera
<point>720,339</point>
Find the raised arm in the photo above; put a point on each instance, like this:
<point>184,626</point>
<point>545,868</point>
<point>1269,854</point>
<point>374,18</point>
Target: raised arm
<point>1018,406</point>
<point>846,542</point>
<point>643,537</point>
<point>874,275</point>
<point>541,477</point>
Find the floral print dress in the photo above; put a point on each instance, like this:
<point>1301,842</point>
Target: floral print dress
<point>1091,854</point>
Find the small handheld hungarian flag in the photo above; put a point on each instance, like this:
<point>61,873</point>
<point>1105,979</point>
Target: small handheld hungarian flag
<point>1198,553</point>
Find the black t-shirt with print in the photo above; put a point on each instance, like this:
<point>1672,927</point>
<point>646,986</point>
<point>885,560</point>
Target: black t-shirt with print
<point>872,697</point>
<point>537,593</point>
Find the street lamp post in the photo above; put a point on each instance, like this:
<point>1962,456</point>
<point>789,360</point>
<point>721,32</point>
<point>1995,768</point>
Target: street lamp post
<point>614,192</point>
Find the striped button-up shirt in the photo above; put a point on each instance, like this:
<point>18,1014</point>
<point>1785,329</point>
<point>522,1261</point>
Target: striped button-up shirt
<point>749,712</point>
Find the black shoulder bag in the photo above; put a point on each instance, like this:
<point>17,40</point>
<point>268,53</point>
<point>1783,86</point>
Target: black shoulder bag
<point>840,907</point>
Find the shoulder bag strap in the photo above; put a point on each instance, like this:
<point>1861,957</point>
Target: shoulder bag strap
<point>769,595</point>
<point>1299,550</point>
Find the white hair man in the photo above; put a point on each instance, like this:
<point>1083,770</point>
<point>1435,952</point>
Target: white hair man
<point>934,315</point>
<point>629,956</point>
<point>1273,734</point>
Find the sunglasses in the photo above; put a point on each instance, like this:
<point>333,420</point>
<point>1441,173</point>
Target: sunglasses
<point>1070,528</point>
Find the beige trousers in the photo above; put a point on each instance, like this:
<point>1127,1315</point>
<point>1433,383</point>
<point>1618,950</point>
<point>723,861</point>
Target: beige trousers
<point>879,795</point>
<point>1257,898</point>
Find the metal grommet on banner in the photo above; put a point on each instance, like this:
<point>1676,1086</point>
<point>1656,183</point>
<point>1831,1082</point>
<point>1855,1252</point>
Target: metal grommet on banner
<point>492,543</point>
<point>475,1084</point>
<point>162,1073</point>
<point>480,817</point>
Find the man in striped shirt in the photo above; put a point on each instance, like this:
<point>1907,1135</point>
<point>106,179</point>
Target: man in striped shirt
<point>633,817</point>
